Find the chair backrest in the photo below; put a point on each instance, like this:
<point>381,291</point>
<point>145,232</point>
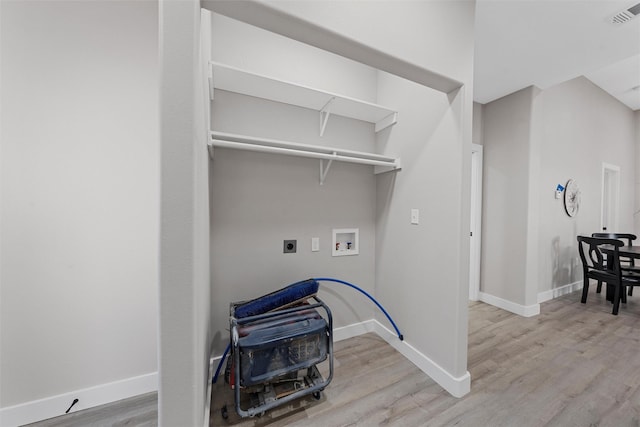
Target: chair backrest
<point>622,236</point>
<point>600,256</point>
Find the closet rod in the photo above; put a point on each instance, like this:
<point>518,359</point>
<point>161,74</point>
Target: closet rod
<point>262,142</point>
<point>302,153</point>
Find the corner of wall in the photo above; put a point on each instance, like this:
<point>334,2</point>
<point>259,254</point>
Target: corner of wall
<point>456,386</point>
<point>533,203</point>
<point>519,309</point>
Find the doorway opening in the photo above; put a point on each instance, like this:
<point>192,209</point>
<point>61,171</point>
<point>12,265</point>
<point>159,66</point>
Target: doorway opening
<point>610,198</point>
<point>476,222</point>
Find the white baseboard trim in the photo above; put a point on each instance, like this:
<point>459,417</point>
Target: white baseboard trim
<point>456,386</point>
<point>558,292</point>
<point>519,309</point>
<point>353,330</point>
<point>207,402</point>
<point>54,406</point>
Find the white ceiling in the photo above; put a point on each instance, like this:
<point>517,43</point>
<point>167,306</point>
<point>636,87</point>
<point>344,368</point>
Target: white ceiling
<point>520,43</point>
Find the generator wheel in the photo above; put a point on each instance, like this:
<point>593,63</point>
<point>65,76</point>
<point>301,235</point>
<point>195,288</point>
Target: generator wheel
<point>224,412</point>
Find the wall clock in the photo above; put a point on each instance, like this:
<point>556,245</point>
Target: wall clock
<point>571,198</point>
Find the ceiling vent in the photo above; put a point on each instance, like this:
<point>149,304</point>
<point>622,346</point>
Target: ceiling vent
<point>626,15</point>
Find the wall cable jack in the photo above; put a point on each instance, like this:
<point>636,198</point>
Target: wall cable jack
<point>72,403</point>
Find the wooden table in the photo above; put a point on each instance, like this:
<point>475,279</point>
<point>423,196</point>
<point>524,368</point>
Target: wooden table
<point>629,251</point>
<point>623,252</point>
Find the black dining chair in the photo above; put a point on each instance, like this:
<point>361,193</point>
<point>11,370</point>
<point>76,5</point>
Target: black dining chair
<point>626,263</point>
<point>604,267</point>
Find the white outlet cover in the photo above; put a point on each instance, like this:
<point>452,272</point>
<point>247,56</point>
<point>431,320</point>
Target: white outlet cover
<point>415,216</point>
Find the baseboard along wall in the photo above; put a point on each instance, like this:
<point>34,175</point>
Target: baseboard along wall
<point>54,406</point>
<point>50,407</point>
<point>519,309</point>
<point>529,310</point>
<point>558,292</point>
<point>456,386</point>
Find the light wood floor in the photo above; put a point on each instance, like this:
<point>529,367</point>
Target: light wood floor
<point>573,365</point>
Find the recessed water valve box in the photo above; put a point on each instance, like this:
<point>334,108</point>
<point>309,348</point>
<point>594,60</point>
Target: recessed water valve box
<point>290,246</point>
<point>345,242</point>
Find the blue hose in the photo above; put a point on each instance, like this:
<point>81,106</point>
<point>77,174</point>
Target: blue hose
<point>323,279</point>
<point>224,356</point>
<point>328,279</point>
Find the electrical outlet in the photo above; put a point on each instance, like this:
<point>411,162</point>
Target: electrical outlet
<point>290,246</point>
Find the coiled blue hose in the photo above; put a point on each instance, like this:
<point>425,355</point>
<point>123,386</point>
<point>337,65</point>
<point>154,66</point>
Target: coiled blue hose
<point>323,279</point>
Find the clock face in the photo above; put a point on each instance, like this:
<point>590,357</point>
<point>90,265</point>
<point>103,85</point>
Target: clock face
<point>571,198</point>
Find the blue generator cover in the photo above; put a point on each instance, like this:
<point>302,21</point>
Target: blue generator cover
<point>278,346</point>
<point>281,298</point>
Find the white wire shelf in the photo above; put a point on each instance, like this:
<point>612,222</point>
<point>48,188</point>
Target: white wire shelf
<point>233,79</point>
<point>329,154</point>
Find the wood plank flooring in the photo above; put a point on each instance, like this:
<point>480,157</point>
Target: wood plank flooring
<point>572,365</point>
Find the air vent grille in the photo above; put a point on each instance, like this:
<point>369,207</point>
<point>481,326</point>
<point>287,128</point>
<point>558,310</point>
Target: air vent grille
<point>635,10</point>
<point>626,15</point>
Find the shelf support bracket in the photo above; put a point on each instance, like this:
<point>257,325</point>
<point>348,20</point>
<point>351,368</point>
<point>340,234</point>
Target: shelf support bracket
<point>325,170</point>
<point>210,145</point>
<point>390,120</point>
<point>324,115</point>
<point>210,78</point>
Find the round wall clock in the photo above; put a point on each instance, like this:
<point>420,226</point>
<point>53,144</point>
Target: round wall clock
<point>571,198</point>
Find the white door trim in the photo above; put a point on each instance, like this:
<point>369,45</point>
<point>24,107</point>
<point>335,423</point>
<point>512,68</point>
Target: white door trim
<point>476,222</point>
<point>613,198</point>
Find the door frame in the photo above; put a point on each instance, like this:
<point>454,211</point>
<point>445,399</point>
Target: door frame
<point>475,226</point>
<point>612,225</point>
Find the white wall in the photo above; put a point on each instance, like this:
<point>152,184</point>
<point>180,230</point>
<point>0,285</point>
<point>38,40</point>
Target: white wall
<point>185,295</point>
<point>505,193</point>
<point>435,144</point>
<point>79,173</point>
<point>535,140</point>
<point>636,210</point>
<point>478,124</point>
<point>581,127</point>
<point>254,49</point>
<point>417,43</point>
<point>258,200</point>
<point>411,31</point>
<point>417,266</point>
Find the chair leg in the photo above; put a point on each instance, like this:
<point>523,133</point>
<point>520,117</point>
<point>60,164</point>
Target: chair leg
<point>599,288</point>
<point>630,291</point>
<point>623,293</point>
<point>616,299</point>
<point>585,290</point>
